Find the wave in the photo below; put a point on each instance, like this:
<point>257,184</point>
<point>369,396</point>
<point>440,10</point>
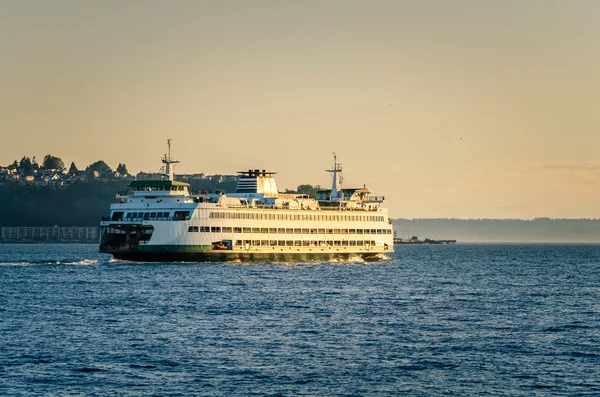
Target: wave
<point>84,262</point>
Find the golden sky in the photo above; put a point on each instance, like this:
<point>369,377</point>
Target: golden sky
<point>466,109</point>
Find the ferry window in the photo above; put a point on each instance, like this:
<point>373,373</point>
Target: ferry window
<point>128,216</point>
<point>165,214</point>
<point>373,231</point>
<point>321,231</point>
<point>182,215</point>
<point>359,242</point>
<point>379,231</point>
<point>298,243</point>
<point>313,231</point>
<point>215,229</point>
<point>352,231</point>
<point>297,231</point>
<point>344,243</point>
<point>146,216</point>
<point>281,243</point>
<point>344,231</point>
<point>255,230</point>
<point>204,229</point>
<point>273,230</point>
<point>359,231</point>
<point>193,229</point>
<point>336,231</point>
<point>273,243</point>
<point>337,243</point>
<point>289,231</point>
<point>330,243</point>
<point>329,231</point>
<point>281,231</point>
<point>238,242</point>
<point>117,216</point>
<point>352,243</point>
<point>226,230</point>
<point>305,231</point>
<point>247,230</point>
<point>289,243</point>
<point>305,243</point>
<point>237,229</point>
<point>256,242</point>
<point>264,230</point>
<point>153,215</point>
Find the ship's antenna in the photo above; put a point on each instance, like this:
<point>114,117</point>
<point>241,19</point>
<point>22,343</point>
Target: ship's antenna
<point>167,161</point>
<point>337,168</point>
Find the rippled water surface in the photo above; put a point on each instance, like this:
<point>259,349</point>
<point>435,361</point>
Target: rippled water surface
<point>433,320</point>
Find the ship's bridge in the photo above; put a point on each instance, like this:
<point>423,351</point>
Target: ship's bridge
<point>163,187</point>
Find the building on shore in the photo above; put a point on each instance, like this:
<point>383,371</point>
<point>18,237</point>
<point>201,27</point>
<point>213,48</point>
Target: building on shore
<point>49,234</point>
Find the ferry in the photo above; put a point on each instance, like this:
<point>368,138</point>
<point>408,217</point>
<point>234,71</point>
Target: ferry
<point>162,220</point>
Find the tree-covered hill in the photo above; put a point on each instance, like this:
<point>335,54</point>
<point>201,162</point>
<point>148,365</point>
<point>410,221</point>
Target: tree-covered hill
<point>81,204</point>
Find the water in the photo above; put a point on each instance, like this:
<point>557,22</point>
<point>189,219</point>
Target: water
<point>434,320</point>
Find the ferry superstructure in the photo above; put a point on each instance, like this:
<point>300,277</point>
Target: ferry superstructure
<point>161,220</point>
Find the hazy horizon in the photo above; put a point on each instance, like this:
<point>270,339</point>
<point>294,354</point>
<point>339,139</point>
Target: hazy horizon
<point>451,109</point>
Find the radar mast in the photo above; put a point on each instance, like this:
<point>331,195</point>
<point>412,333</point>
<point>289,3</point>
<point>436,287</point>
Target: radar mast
<point>167,161</point>
<point>337,168</point>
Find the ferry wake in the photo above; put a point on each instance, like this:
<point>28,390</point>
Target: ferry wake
<point>161,220</point>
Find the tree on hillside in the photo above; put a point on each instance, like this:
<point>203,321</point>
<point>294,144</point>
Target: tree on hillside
<point>309,189</point>
<point>99,166</point>
<point>35,164</point>
<point>14,165</point>
<point>122,169</point>
<point>73,168</point>
<point>26,166</point>
<point>52,163</point>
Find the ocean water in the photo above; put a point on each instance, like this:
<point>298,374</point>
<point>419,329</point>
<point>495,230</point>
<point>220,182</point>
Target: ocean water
<point>467,319</point>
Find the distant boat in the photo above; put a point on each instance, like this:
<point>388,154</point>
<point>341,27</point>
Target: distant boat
<point>426,241</point>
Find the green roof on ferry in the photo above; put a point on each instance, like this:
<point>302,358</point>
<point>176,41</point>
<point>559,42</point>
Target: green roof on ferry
<point>160,183</point>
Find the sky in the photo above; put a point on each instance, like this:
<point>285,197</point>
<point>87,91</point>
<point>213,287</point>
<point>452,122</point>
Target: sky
<point>450,109</point>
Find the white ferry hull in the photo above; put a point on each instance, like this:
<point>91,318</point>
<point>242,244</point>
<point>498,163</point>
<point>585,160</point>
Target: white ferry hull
<point>161,221</point>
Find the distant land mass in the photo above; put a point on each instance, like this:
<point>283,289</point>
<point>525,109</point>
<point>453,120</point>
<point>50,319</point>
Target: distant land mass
<point>500,230</point>
<point>49,195</point>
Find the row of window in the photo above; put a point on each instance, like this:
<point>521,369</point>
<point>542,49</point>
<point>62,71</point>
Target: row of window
<point>184,215</point>
<point>296,217</point>
<point>305,243</point>
<point>130,216</point>
<point>158,188</point>
<point>147,215</point>
<point>274,230</point>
